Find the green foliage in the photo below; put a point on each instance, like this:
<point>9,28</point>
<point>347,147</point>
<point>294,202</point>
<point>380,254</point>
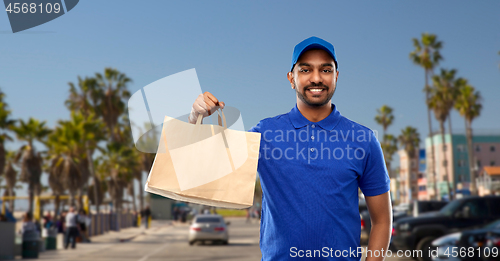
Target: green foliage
<point>409,139</point>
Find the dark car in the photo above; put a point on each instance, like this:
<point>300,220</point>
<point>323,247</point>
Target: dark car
<point>468,245</point>
<point>417,233</point>
<point>492,245</point>
<point>415,209</point>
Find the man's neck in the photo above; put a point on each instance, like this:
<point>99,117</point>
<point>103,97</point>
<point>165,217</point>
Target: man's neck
<point>314,114</point>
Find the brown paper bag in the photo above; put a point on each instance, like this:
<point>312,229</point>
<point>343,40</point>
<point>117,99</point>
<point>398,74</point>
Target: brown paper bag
<point>205,164</point>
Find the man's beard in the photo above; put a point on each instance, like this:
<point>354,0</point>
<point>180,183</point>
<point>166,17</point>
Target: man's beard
<point>302,96</point>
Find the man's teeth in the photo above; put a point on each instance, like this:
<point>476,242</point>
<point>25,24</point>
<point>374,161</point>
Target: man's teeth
<point>315,90</point>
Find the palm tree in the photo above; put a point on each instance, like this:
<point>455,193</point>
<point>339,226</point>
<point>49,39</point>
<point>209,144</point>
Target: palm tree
<point>118,160</point>
<point>385,117</point>
<point>55,170</point>
<point>28,158</point>
<point>111,98</point>
<point>101,188</point>
<point>69,144</point>
<point>389,147</point>
<point>10,178</point>
<point>426,55</point>
<point>441,102</point>
<point>149,140</point>
<point>468,104</point>
<point>64,156</point>
<point>6,124</point>
<point>409,139</point>
<point>84,99</point>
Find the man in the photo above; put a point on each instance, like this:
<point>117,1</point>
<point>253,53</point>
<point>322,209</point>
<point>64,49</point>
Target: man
<point>312,161</point>
<point>146,213</point>
<point>71,225</point>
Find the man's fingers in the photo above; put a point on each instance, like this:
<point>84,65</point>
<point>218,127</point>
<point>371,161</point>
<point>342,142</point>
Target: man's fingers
<point>209,96</point>
<point>222,105</point>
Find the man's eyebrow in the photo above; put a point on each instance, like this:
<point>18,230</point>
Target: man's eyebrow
<point>322,65</point>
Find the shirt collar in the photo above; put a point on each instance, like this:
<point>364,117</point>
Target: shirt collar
<point>298,120</point>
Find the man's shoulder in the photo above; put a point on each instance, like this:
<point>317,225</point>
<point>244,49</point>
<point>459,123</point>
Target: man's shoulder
<point>276,119</point>
<point>351,124</point>
<point>271,122</point>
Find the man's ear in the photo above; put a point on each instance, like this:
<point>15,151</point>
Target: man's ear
<point>289,75</point>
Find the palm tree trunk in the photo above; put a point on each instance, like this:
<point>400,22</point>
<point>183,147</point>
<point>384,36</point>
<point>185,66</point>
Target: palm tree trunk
<point>80,198</point>
<point>468,130</point>
<point>133,197</point>
<point>11,202</point>
<point>450,131</point>
<point>449,124</point>
<point>429,121</point>
<point>92,173</point>
<point>57,205</point>
<point>31,196</point>
<point>71,201</point>
<point>408,178</point>
<point>445,159</point>
<point>141,195</point>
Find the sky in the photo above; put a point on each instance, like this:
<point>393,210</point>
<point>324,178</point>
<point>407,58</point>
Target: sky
<point>241,51</point>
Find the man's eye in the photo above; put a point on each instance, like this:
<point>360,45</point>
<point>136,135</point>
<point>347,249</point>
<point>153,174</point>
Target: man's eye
<point>304,70</point>
<point>327,70</point>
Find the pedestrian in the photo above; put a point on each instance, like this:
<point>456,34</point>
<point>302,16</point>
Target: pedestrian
<point>60,222</point>
<point>312,162</point>
<point>71,228</point>
<point>82,222</point>
<point>145,215</point>
<point>47,220</point>
<point>28,225</point>
<point>176,213</point>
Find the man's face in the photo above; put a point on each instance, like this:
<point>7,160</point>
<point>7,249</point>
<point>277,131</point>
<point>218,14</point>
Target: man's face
<point>314,78</point>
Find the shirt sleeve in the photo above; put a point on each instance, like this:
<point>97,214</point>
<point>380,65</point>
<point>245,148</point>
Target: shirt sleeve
<point>256,128</point>
<point>375,178</point>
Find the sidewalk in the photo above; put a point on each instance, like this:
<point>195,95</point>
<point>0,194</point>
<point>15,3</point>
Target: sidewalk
<point>101,242</point>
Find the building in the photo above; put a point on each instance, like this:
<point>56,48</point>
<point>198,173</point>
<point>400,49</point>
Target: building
<point>454,160</point>
<point>408,177</point>
<point>422,177</point>
<point>488,182</point>
<point>161,207</point>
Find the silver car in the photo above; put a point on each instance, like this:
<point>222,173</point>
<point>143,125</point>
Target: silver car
<point>208,227</point>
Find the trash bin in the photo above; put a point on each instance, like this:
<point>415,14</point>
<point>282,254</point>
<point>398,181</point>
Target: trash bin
<point>30,244</point>
<point>7,240</point>
<point>50,238</point>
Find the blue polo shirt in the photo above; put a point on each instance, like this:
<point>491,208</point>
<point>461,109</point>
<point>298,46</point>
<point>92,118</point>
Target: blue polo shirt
<point>310,173</point>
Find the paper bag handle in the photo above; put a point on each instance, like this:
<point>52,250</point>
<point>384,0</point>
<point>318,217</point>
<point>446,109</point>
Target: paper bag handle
<point>200,118</point>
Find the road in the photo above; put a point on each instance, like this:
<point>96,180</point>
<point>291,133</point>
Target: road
<point>170,243</point>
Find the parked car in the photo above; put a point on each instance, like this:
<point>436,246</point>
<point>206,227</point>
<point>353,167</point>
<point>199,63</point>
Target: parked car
<point>475,238</point>
<point>208,227</point>
<point>492,245</point>
<point>418,232</point>
<point>403,210</point>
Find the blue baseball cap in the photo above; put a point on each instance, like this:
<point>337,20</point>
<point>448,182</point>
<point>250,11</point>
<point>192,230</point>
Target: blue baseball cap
<point>313,43</point>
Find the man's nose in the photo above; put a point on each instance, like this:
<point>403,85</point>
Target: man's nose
<point>316,77</point>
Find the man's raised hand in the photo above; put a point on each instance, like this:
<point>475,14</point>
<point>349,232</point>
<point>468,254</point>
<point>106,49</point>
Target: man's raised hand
<point>204,105</point>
